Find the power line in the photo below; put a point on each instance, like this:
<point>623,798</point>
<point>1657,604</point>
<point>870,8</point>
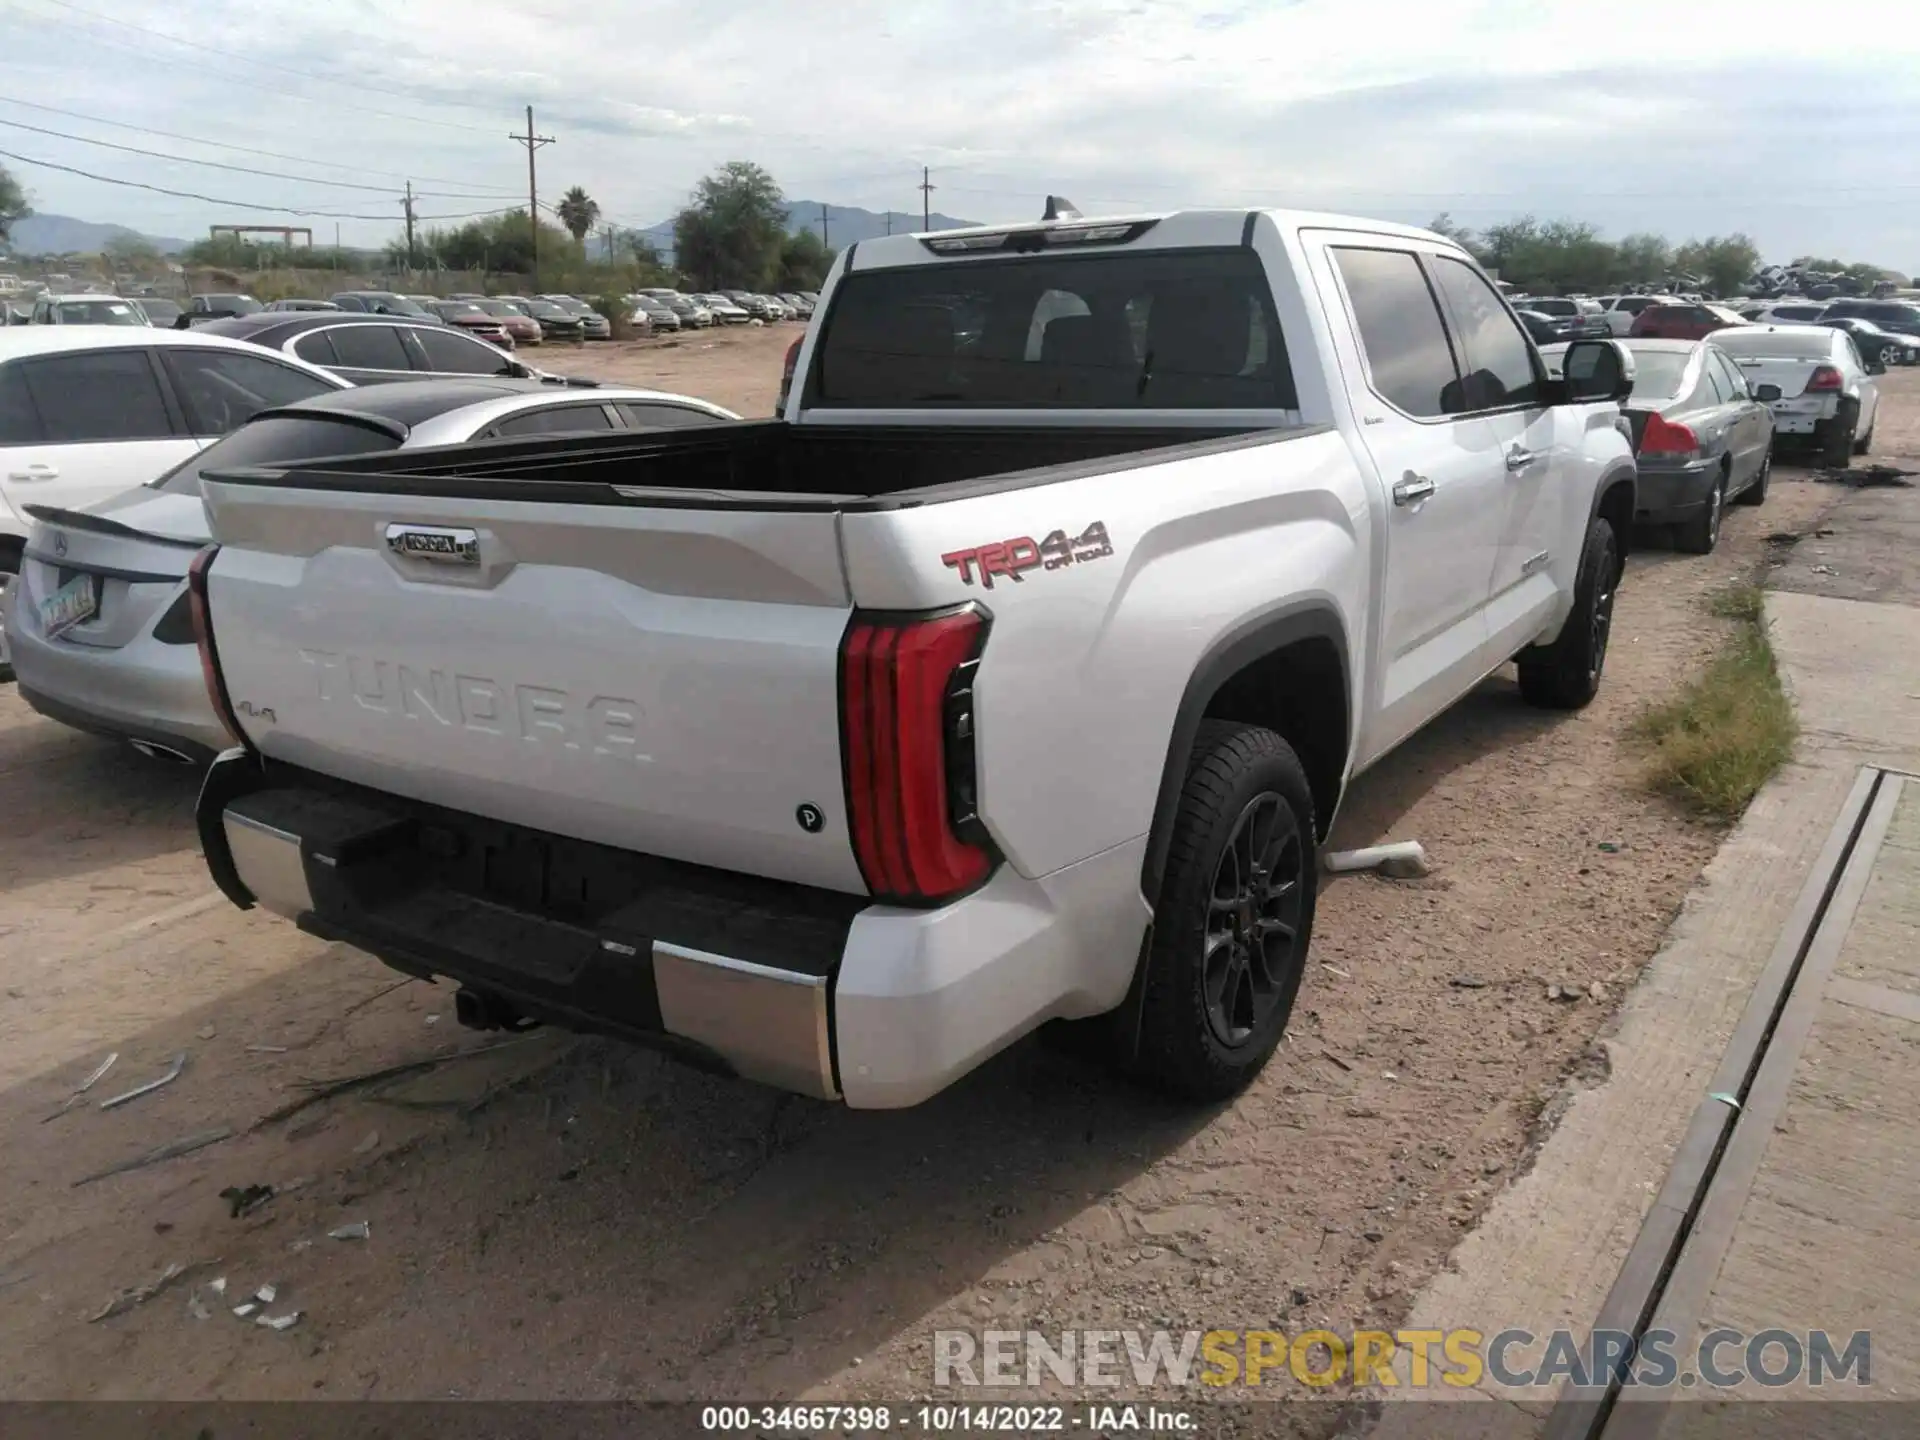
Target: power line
<point>488,191</point>
<point>237,204</point>
<point>270,65</point>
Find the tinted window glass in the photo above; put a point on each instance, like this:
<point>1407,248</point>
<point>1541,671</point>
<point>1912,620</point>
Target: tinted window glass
<point>1193,330</point>
<point>555,420</point>
<point>1776,344</point>
<point>1498,361</point>
<point>19,421</point>
<point>222,390</point>
<point>1657,373</point>
<point>455,354</point>
<point>275,440</point>
<point>369,347</point>
<point>665,417</point>
<point>316,349</point>
<point>1408,359</point>
<point>98,395</point>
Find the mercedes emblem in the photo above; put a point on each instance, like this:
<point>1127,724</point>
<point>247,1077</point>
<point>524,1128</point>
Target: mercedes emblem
<point>59,543</point>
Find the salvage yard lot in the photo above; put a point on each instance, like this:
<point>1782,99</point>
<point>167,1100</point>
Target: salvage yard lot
<point>564,1217</point>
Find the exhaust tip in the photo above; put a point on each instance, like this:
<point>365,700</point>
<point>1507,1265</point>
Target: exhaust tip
<point>155,751</point>
<point>478,1010</point>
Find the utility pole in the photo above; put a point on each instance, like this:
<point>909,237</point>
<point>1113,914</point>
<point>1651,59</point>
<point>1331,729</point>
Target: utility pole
<point>408,202</point>
<point>889,222</point>
<point>823,227</point>
<point>927,187</point>
<point>533,142</point>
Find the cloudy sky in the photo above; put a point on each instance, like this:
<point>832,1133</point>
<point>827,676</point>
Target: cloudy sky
<point>1686,119</point>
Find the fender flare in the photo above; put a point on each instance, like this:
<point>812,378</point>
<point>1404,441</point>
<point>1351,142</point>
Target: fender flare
<point>1622,470</point>
<point>1258,636</point>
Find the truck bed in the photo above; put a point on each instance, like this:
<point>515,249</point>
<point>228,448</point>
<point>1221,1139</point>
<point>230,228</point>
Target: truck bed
<point>756,465</point>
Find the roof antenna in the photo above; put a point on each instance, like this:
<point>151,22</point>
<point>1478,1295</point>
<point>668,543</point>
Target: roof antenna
<point>1060,208</point>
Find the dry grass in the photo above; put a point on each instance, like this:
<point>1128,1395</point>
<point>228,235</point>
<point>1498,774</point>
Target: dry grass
<point>1719,740</point>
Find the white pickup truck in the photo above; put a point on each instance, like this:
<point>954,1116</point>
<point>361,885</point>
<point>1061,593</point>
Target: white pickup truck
<point>1013,674</point>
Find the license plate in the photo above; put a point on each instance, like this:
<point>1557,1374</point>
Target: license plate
<point>68,606</point>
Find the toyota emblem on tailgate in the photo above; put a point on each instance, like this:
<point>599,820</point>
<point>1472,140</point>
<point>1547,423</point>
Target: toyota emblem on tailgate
<point>434,542</point>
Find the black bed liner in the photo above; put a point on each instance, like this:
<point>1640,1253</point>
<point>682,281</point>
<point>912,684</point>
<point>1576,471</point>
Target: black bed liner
<point>764,465</point>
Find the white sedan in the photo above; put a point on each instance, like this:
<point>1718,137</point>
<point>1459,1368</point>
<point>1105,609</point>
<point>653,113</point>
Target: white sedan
<point>1814,380</point>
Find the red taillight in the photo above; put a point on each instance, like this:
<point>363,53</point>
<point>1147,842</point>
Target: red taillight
<point>786,373</point>
<point>1824,378</point>
<point>907,713</point>
<point>203,637</point>
<point>1663,437</point>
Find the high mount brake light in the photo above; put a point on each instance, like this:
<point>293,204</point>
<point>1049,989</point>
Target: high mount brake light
<point>1043,237</point>
<point>906,702</point>
<point>203,636</point>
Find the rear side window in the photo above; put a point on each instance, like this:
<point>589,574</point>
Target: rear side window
<point>222,390</point>
<point>19,421</point>
<point>644,416</point>
<point>1731,380</point>
<point>316,349</point>
<point>1497,362</point>
<point>1186,330</point>
<point>1408,359</point>
<point>448,352</point>
<point>276,440</point>
<point>369,347</point>
<point>555,420</point>
<point>98,395</point>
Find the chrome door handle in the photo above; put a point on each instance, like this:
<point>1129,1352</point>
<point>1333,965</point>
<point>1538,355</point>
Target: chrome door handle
<point>35,472</point>
<point>1412,490</point>
<point>1518,458</point>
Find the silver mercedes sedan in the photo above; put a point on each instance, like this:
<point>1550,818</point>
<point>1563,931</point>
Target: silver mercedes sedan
<point>100,620</point>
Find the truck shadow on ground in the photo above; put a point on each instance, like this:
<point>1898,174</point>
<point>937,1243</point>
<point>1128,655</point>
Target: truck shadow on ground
<point>87,803</point>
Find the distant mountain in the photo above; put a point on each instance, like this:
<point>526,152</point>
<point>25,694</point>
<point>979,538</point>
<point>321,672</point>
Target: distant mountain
<point>845,224</point>
<point>63,235</point>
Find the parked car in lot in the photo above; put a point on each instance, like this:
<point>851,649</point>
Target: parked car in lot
<point>86,309</point>
<point>556,322</point>
<point>593,325</point>
<point>524,329</point>
<point>374,349</point>
<point>1620,311</point>
<point>661,317</point>
<point>283,306</point>
<point>1786,312</point>
<point>793,745</point>
<point>724,311</point>
<point>1822,391</point>
<point>159,312</point>
<point>1542,329</point>
<point>801,307</point>
<point>1575,316</point>
<point>224,304</point>
<point>472,317</point>
<point>383,302</point>
<point>1900,316</point>
<point>426,303</point>
<point>1701,437</point>
<point>1682,320</point>
<point>754,305</point>
<point>87,411</point>
<point>693,315</point>
<point>128,666</point>
<point>1875,343</point>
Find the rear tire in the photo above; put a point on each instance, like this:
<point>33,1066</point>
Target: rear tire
<point>1836,444</point>
<point>1699,535</point>
<point>1566,674</point>
<point>1756,493</point>
<point>1865,443</point>
<point>1234,915</point>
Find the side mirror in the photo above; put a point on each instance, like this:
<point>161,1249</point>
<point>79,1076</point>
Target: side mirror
<point>1596,371</point>
<point>1766,394</point>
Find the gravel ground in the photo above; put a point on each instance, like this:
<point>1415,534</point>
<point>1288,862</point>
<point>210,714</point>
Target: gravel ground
<point>572,1218</point>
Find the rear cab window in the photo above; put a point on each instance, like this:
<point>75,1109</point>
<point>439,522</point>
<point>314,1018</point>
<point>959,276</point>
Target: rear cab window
<point>1188,329</point>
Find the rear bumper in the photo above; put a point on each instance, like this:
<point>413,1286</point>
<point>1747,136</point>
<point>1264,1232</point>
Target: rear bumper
<point>1667,495</point>
<point>1805,416</point>
<point>811,991</point>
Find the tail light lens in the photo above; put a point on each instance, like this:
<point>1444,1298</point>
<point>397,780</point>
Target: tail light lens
<point>786,374</point>
<point>906,697</point>
<point>1824,378</point>
<point>1663,437</point>
<point>203,636</point>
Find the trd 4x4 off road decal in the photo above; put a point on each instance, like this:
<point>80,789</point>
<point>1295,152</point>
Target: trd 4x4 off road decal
<point>1013,558</point>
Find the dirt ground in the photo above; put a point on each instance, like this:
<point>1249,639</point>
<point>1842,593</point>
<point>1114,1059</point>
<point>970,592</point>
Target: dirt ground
<point>568,1218</point>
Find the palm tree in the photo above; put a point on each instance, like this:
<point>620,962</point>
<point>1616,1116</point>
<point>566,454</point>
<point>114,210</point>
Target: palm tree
<point>578,212</point>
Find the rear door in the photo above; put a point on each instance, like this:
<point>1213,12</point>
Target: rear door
<point>1444,479</point>
<point>367,354</point>
<point>1751,425</point>
<point>1506,383</point>
<point>79,427</point>
<point>449,354</point>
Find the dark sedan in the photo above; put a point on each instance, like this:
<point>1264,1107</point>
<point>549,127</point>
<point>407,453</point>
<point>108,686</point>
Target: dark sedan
<point>1700,435</point>
<point>556,322</point>
<point>374,349</point>
<point>1575,318</point>
<point>1544,329</point>
<point>1876,343</point>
